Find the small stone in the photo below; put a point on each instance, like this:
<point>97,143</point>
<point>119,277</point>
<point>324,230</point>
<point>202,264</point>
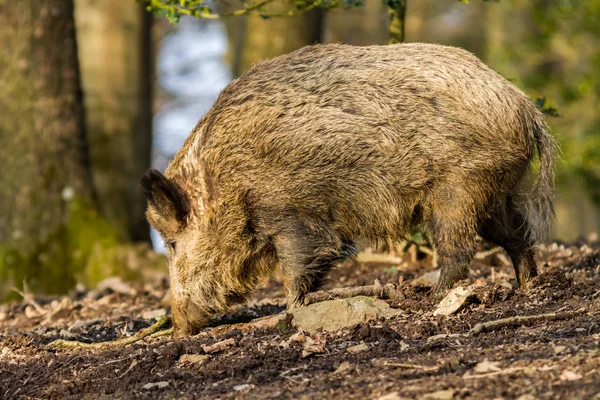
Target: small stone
<point>429,279</point>
<point>358,348</point>
<point>115,284</point>
<point>194,358</point>
<point>158,385</point>
<point>333,315</point>
<point>454,300</point>
<point>154,314</point>
<point>245,386</point>
<point>568,375</point>
<point>440,395</point>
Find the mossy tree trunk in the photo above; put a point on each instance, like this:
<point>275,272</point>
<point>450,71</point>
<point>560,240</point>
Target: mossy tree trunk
<point>114,39</point>
<point>49,228</point>
<point>253,38</point>
<point>397,14</point>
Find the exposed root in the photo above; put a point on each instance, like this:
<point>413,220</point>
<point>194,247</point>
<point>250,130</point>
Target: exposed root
<point>150,331</point>
<point>522,320</point>
<point>385,292</point>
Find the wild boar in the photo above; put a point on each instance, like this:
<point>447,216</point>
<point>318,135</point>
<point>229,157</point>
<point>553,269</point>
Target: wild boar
<point>308,153</point>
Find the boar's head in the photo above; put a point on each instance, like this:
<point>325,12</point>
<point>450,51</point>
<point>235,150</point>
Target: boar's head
<point>214,260</point>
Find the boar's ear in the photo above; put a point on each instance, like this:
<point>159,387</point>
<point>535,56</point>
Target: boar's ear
<point>166,196</point>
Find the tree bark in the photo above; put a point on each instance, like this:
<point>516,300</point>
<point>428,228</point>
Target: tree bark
<point>253,38</point>
<point>50,232</point>
<point>397,14</point>
<point>116,71</point>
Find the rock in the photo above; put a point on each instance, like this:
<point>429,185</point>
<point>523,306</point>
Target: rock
<point>334,315</point>
<point>158,385</point>
<point>194,358</point>
<point>454,300</point>
<point>440,395</point>
<point>115,284</point>
<point>154,314</point>
<point>219,346</point>
<point>427,280</point>
<point>358,348</point>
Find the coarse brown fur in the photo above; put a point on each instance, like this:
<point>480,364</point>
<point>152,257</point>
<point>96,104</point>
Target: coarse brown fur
<point>308,153</point>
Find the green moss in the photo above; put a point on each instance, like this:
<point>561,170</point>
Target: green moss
<point>85,249</point>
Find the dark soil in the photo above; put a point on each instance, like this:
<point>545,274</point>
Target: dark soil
<point>415,355</point>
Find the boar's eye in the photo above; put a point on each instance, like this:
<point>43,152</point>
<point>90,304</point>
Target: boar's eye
<point>171,244</point>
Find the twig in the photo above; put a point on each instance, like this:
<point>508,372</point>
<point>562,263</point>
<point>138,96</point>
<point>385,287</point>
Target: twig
<point>119,342</point>
<point>388,291</point>
<point>522,320</point>
<point>165,332</point>
<point>495,373</point>
<point>28,298</point>
<point>410,366</point>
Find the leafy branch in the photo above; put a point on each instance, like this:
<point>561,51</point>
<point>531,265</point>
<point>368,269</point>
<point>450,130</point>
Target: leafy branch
<point>174,9</point>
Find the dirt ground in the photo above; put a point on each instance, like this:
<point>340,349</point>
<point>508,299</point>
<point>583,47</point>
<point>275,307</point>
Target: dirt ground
<point>413,355</point>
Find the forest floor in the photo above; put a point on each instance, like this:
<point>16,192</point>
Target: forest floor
<point>411,355</point>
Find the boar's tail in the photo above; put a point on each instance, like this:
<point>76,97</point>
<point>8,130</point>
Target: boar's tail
<point>539,210</point>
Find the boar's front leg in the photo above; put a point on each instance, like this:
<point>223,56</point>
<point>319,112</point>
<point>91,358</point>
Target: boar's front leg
<point>305,257</point>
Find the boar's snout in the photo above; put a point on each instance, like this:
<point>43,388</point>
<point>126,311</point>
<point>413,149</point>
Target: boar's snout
<point>188,319</point>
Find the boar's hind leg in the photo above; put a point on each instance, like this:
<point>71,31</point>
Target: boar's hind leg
<point>509,229</point>
<point>305,260</point>
<point>453,231</point>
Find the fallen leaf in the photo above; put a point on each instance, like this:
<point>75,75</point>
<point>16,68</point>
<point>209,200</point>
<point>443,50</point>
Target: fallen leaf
<point>358,348</point>
<point>487,366</point>
<point>312,346</point>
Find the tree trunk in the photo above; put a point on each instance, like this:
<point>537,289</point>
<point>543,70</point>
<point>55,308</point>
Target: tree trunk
<point>362,26</point>
<point>397,14</point>
<point>49,228</point>
<point>116,72</point>
<point>253,38</point>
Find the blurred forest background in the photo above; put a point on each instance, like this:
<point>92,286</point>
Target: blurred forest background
<point>94,92</point>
